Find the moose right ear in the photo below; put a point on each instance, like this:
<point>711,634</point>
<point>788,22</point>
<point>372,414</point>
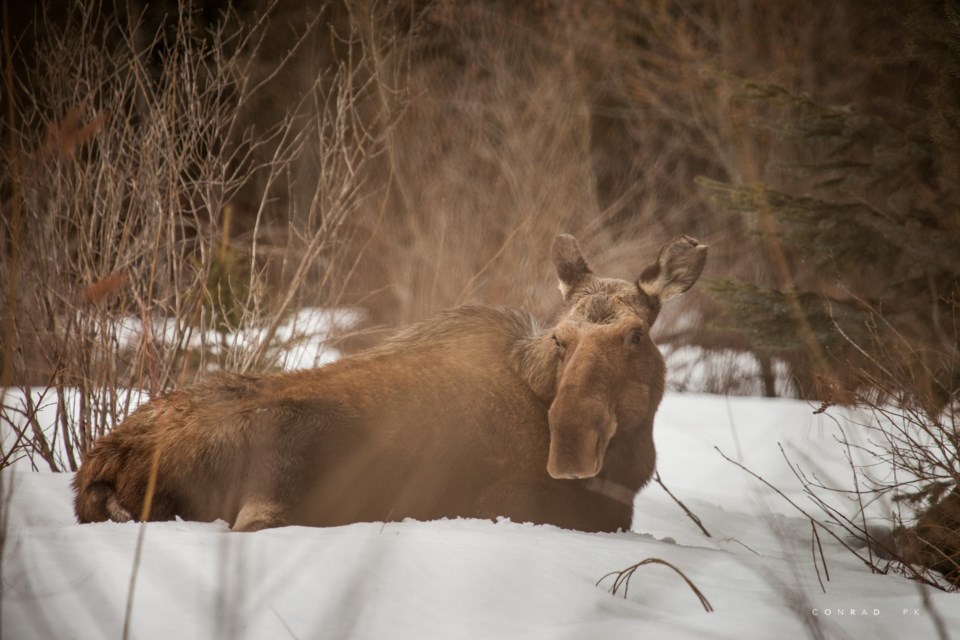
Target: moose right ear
<point>677,267</point>
<point>571,267</point>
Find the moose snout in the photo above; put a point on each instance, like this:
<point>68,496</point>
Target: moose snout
<point>574,458</point>
<point>578,444</point>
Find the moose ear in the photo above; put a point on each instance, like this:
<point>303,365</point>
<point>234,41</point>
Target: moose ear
<point>571,267</point>
<point>677,267</point>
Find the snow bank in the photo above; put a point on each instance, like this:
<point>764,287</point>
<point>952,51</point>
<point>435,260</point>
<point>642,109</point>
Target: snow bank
<point>303,337</point>
<point>479,579</point>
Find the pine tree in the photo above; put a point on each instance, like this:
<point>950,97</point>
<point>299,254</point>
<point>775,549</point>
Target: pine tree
<point>867,228</point>
<point>870,238</point>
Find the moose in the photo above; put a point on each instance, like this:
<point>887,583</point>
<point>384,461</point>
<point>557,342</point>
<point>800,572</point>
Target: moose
<point>477,412</point>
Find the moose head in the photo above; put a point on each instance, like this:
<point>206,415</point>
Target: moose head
<point>610,374</point>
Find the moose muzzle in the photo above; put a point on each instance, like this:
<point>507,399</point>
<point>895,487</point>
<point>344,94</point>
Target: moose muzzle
<point>578,440</point>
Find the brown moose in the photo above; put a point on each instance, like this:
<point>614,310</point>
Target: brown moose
<point>477,412</point>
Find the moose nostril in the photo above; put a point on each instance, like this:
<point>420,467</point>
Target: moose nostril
<point>565,475</point>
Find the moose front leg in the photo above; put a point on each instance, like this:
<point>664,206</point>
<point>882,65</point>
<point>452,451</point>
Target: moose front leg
<point>568,504</point>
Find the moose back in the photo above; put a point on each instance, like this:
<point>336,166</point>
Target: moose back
<point>477,412</point>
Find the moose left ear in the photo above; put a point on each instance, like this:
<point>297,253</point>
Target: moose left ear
<point>572,269</point>
<point>677,267</point>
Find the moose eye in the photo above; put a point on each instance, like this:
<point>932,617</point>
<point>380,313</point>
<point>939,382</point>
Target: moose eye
<point>557,342</point>
<point>636,336</point>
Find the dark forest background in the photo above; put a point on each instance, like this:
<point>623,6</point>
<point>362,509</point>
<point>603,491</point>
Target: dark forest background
<point>812,145</point>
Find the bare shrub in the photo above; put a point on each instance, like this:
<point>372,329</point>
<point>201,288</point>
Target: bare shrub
<point>127,179</point>
<point>899,509</point>
<point>914,437</point>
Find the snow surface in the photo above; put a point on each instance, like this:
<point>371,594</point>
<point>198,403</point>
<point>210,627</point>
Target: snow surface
<point>480,579</point>
<point>303,338</point>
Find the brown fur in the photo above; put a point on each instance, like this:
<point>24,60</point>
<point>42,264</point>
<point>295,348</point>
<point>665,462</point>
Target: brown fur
<point>476,412</point>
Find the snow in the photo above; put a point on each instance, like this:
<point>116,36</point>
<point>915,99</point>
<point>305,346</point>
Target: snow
<point>303,336</point>
<point>480,579</point>
<point>693,368</point>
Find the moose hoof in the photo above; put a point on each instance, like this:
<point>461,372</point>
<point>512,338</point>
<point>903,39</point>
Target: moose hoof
<point>258,515</point>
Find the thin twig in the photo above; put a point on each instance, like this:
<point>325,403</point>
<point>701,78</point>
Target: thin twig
<point>29,414</point>
<point>796,506</point>
<point>286,626</point>
<point>138,551</point>
<point>814,545</point>
<point>687,511</point>
<point>747,547</point>
<point>934,614</point>
<point>622,579</point>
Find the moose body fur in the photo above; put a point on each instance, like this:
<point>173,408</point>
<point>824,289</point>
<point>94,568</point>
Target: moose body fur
<point>477,412</point>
